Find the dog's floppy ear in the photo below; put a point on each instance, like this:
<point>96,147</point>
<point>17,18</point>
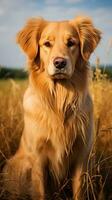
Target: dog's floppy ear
<point>89,36</point>
<point>28,37</point>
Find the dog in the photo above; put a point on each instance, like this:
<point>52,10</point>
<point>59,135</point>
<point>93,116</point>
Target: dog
<point>58,109</point>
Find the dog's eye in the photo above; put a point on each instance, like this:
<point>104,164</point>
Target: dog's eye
<point>47,44</point>
<point>70,42</point>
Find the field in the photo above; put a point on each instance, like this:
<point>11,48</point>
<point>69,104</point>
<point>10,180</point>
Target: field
<point>11,125</point>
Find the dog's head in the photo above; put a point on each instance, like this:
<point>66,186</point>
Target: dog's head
<point>57,46</point>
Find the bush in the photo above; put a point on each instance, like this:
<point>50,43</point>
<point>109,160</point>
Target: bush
<point>6,72</point>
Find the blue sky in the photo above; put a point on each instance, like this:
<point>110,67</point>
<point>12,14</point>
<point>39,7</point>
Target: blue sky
<point>14,13</point>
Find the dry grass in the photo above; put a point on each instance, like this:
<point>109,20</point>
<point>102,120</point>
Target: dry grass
<point>101,90</point>
<point>11,125</point>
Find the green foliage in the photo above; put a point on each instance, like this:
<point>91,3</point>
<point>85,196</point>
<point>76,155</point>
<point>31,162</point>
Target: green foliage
<point>6,72</point>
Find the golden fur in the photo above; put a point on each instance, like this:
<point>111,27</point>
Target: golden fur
<point>58,111</point>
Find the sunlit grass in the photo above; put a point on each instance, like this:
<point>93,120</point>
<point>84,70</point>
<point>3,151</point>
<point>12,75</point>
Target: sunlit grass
<point>11,126</point>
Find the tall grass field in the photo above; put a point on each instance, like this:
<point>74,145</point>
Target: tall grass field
<point>11,126</point>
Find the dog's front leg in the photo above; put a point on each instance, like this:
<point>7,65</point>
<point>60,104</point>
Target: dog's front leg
<point>38,181</point>
<point>77,184</point>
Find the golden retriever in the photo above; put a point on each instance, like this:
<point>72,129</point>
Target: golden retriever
<point>58,111</point>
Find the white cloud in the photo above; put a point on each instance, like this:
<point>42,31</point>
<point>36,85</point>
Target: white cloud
<point>51,2</point>
<point>3,29</point>
<point>74,1</point>
<point>14,13</point>
<point>55,2</point>
<point>1,11</point>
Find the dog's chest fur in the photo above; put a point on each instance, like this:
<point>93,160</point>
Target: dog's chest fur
<point>54,122</point>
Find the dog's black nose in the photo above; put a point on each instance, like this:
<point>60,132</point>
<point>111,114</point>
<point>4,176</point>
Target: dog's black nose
<point>60,63</point>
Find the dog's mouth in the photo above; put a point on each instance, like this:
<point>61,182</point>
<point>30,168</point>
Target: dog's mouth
<point>59,75</point>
